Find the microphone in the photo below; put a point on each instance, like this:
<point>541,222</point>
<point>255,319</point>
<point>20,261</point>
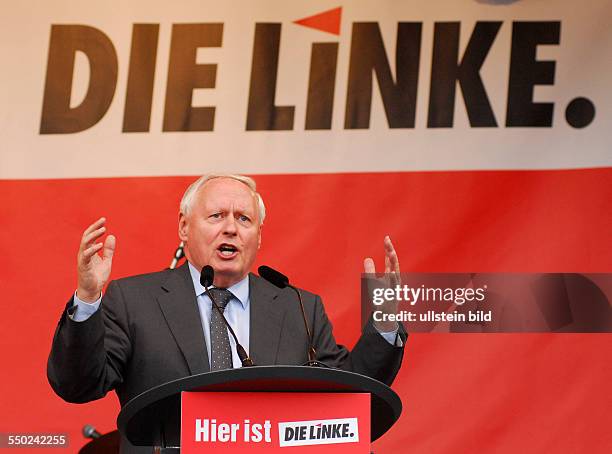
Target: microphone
<point>206,279</point>
<point>273,277</point>
<point>90,431</point>
<point>281,281</point>
<point>178,254</point>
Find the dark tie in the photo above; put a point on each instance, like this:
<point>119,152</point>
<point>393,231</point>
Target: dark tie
<point>220,350</point>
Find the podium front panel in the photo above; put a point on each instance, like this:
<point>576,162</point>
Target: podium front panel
<point>312,423</point>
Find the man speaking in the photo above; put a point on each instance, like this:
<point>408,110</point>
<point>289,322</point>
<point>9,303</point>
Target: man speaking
<point>149,329</point>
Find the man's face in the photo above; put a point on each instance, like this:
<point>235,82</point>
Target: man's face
<point>222,230</point>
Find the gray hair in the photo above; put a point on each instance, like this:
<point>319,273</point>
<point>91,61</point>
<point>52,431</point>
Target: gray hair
<point>187,200</point>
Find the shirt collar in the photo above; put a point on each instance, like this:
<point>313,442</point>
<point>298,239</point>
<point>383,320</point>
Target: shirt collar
<point>240,289</point>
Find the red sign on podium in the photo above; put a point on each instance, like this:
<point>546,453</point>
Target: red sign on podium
<point>307,423</point>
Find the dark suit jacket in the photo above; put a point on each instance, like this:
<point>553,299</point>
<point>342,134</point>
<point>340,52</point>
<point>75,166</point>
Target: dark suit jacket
<point>148,331</point>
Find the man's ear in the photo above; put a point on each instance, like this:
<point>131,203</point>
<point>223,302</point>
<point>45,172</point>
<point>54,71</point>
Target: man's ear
<point>259,236</point>
<point>183,227</point>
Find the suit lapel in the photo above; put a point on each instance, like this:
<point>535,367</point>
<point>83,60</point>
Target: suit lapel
<point>180,308</point>
<point>267,317</point>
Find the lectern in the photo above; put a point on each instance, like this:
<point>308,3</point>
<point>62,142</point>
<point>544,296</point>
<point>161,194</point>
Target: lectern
<point>305,404</point>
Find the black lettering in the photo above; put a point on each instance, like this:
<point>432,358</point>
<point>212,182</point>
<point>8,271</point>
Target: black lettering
<point>327,431</point>
<point>367,55</point>
<point>262,114</point>
<point>57,115</point>
<point>321,85</point>
<point>302,433</point>
<point>184,75</point>
<point>336,430</point>
<point>345,430</point>
<point>526,72</point>
<point>289,433</point>
<point>312,432</point>
<point>446,72</point>
<point>141,76</point>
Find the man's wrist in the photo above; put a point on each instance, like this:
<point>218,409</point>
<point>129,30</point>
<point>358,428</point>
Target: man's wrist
<point>386,327</point>
<point>87,297</point>
<point>82,310</point>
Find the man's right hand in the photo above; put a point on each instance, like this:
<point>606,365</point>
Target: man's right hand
<point>94,270</point>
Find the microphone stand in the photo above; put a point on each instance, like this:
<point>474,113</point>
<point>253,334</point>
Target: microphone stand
<point>312,353</point>
<point>281,281</point>
<point>242,354</point>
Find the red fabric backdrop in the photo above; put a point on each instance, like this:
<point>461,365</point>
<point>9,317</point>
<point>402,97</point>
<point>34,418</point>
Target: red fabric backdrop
<point>461,393</point>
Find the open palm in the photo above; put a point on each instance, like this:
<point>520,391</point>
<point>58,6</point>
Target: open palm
<point>93,269</point>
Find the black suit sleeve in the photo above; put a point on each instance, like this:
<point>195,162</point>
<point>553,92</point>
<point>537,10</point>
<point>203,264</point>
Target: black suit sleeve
<point>372,355</point>
<point>88,358</point>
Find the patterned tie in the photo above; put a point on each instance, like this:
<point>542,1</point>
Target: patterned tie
<point>220,350</point>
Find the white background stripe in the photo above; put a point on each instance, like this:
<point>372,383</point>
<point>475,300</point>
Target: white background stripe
<point>583,69</point>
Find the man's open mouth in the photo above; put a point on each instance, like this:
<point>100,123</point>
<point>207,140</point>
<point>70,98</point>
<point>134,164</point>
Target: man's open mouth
<point>227,250</point>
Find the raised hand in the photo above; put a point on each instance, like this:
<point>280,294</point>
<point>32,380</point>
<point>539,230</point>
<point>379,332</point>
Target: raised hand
<point>391,279</point>
<point>93,269</point>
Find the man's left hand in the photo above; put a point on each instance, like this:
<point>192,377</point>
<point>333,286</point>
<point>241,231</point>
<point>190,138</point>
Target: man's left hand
<point>390,280</point>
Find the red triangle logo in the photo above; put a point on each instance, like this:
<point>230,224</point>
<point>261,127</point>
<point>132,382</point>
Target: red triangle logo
<point>327,21</point>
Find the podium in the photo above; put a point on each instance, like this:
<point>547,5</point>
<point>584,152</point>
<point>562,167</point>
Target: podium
<point>153,418</point>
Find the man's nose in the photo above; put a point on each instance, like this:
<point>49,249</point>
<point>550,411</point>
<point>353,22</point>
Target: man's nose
<point>229,226</point>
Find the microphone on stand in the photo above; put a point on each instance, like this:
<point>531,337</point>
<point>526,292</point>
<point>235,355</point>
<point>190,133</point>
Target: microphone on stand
<point>178,254</point>
<point>281,281</point>
<point>206,279</point>
<point>90,431</point>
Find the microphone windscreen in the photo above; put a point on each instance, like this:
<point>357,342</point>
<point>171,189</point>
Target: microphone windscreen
<point>273,276</point>
<point>90,431</point>
<point>208,276</point>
